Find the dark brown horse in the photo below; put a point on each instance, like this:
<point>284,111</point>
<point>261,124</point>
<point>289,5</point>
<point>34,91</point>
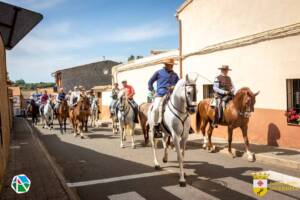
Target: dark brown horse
<point>236,115</point>
<point>62,115</point>
<point>143,117</point>
<point>79,116</point>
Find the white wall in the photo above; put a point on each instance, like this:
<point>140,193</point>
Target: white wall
<point>106,98</point>
<point>207,22</point>
<point>263,66</point>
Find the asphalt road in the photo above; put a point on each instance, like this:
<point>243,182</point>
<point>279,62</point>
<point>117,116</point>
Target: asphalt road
<point>99,169</point>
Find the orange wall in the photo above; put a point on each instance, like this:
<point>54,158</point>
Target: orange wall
<point>266,126</point>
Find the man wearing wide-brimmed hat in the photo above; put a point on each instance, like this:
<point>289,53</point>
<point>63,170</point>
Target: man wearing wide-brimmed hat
<point>224,91</point>
<point>165,79</point>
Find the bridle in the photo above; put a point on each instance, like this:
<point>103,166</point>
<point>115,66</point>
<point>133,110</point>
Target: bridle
<point>125,108</point>
<point>246,113</point>
<point>186,113</point>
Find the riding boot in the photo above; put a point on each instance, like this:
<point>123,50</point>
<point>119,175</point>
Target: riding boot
<point>157,131</point>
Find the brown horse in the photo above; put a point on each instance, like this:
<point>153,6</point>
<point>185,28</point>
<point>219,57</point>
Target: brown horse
<point>79,116</point>
<point>62,115</point>
<point>236,115</point>
<point>143,117</point>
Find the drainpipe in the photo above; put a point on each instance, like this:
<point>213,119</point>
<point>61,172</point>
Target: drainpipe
<point>180,47</point>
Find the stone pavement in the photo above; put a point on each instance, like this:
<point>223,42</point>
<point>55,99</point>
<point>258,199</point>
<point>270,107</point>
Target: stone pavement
<point>27,157</point>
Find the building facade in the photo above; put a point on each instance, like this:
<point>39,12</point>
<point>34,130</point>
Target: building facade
<point>17,100</point>
<point>88,76</point>
<point>259,40</point>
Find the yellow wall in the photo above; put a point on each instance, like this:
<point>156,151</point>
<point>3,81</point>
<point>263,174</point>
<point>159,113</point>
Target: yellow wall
<point>5,113</point>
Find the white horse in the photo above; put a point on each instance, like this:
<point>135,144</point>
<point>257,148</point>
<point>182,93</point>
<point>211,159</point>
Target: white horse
<point>176,121</point>
<point>126,119</point>
<point>47,115</point>
<point>94,112</point>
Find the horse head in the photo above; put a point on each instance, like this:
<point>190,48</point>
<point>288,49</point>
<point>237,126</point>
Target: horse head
<point>245,99</point>
<point>190,90</point>
<point>83,103</point>
<point>122,100</point>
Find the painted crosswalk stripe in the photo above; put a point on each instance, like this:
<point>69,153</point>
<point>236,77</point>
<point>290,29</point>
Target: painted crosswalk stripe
<point>120,178</point>
<point>189,193</point>
<point>126,196</point>
<point>283,178</point>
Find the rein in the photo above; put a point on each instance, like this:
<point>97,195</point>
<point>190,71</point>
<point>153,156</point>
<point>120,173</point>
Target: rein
<point>181,112</point>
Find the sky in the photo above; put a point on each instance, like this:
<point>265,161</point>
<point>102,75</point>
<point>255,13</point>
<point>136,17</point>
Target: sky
<point>75,32</point>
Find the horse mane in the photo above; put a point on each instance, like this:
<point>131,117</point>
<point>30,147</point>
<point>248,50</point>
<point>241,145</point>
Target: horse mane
<point>245,90</point>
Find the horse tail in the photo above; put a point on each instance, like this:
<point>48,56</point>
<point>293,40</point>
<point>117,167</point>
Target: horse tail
<point>198,118</point>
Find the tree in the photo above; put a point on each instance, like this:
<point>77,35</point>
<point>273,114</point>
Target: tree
<point>138,57</point>
<point>131,58</point>
<point>20,82</point>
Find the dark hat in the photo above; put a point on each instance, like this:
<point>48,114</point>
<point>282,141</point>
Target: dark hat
<point>225,67</point>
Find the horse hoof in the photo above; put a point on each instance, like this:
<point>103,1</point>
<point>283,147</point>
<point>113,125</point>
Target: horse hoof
<point>251,158</point>
<point>231,155</point>
<point>182,183</point>
<point>82,137</point>
<point>157,167</point>
<point>122,146</point>
<point>184,175</point>
<point>133,147</point>
<point>165,160</point>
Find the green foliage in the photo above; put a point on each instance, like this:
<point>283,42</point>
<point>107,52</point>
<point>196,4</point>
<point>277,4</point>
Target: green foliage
<point>131,58</point>
<point>32,86</point>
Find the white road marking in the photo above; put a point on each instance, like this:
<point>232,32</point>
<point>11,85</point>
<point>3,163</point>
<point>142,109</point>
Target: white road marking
<point>283,178</point>
<point>116,179</point>
<point>126,196</point>
<point>15,147</point>
<point>23,143</point>
<point>188,193</point>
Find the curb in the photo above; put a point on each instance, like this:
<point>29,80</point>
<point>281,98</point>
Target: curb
<point>71,193</point>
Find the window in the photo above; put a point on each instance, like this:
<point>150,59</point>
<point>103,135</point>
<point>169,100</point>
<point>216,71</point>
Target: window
<point>293,101</point>
<point>208,91</point>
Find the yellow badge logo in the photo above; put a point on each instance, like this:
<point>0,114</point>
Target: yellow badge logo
<point>260,183</point>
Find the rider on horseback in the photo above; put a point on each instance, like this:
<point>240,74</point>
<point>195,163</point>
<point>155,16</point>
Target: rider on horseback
<point>114,98</point>
<point>43,100</point>
<point>129,91</point>
<point>166,79</point>
<point>60,97</point>
<point>75,96</point>
<point>224,91</point>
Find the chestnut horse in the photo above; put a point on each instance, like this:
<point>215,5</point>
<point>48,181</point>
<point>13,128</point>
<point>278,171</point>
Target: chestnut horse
<point>235,115</point>
<point>62,115</point>
<point>79,116</point>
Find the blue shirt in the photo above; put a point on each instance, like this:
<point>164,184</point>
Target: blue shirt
<point>164,80</point>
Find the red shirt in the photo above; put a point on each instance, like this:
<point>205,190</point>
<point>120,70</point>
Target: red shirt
<point>129,91</point>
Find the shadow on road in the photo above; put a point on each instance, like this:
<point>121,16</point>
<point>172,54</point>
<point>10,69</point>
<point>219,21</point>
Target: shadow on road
<point>100,166</point>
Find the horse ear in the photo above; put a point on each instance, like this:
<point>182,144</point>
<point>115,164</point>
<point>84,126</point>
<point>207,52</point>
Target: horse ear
<point>187,77</point>
<point>256,93</point>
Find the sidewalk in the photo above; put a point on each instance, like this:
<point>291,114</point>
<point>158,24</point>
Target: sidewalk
<point>282,157</point>
<point>28,157</point>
